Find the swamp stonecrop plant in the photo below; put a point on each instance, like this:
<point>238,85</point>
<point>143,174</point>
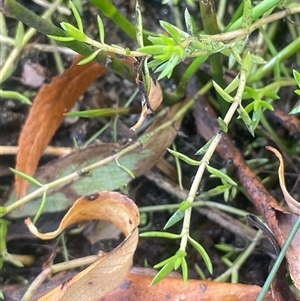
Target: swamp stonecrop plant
<point>170,49</point>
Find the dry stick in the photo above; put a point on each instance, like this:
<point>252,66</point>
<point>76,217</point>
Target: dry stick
<point>50,150</point>
<point>88,260</point>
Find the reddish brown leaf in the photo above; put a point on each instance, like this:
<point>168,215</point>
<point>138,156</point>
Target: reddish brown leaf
<point>137,287</point>
<point>47,113</point>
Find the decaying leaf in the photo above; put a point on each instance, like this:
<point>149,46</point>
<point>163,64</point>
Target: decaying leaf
<point>47,113</point>
<point>286,223</point>
<point>291,202</point>
<point>111,269</point>
<point>107,177</point>
<point>155,98</point>
<point>136,288</point>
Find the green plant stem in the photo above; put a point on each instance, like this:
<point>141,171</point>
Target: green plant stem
<point>15,10</point>
<point>257,12</point>
<point>75,175</point>
<point>280,142</point>
<point>210,24</point>
<point>56,268</point>
<point>242,32</point>
<point>112,12</point>
<point>278,261</point>
<point>205,161</point>
<point>233,270</point>
<point>285,53</point>
<point>11,59</point>
<point>41,47</point>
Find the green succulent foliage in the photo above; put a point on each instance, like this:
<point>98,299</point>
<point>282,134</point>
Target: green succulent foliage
<point>297,78</point>
<point>175,218</point>
<point>262,99</point>
<point>170,264</point>
<point>168,51</point>
<point>184,157</point>
<point>19,35</point>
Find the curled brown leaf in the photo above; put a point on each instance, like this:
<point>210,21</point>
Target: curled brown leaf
<point>109,270</point>
<point>155,98</point>
<point>291,202</point>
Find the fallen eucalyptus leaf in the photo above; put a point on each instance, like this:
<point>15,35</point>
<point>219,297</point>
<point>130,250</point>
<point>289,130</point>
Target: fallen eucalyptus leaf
<point>109,270</point>
<point>47,113</point>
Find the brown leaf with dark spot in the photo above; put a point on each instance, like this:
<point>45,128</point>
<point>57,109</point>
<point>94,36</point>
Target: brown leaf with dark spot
<point>47,113</point>
<point>110,269</point>
<point>137,287</point>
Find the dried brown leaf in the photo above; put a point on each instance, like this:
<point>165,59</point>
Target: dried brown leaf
<point>47,113</point>
<point>291,202</point>
<point>286,222</point>
<point>137,287</point>
<point>111,269</point>
<point>155,98</point>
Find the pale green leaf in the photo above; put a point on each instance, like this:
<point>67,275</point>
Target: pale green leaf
<point>101,29</point>
<point>188,22</point>
<point>221,175</point>
<point>247,14</point>
<point>139,25</point>
<point>19,35</point>
<point>77,16</point>
<point>202,252</point>
<point>175,218</point>
<point>89,58</point>
<point>222,93</point>
<point>26,177</point>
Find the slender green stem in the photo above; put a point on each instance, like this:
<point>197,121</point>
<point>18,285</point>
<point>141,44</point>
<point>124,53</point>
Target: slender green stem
<point>11,59</point>
<point>241,259</point>
<point>278,261</point>
<point>112,12</point>
<point>285,53</point>
<point>242,32</point>
<point>205,161</point>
